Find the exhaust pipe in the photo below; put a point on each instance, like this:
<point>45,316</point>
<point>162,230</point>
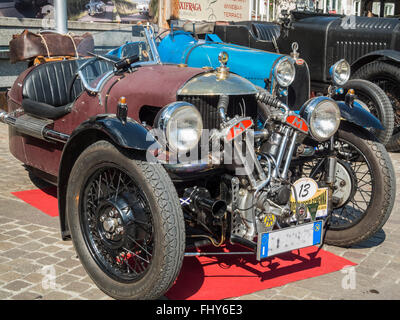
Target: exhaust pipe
<point>34,127</point>
<point>200,200</point>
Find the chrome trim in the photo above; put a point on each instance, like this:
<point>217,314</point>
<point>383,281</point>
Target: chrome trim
<point>99,85</point>
<point>189,168</point>
<point>289,155</point>
<point>275,71</point>
<point>149,33</point>
<point>44,134</point>
<point>332,73</point>
<point>162,118</point>
<point>308,109</point>
<point>208,84</point>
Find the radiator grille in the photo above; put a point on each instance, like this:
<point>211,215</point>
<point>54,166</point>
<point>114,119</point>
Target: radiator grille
<point>207,106</point>
<point>352,50</point>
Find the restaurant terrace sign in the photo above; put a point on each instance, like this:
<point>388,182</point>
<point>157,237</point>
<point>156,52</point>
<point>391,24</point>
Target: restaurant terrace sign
<point>214,10</point>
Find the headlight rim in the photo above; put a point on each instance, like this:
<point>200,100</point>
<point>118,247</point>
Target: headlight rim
<point>164,117</point>
<point>310,108</point>
<point>280,62</point>
<point>332,73</point>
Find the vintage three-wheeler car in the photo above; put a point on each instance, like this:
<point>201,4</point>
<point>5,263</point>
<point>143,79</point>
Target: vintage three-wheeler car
<point>152,158</point>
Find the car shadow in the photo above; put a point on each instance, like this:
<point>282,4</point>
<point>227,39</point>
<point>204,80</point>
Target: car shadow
<point>41,184</point>
<point>374,241</point>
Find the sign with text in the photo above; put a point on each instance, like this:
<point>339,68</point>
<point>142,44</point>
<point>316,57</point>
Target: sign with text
<point>214,10</point>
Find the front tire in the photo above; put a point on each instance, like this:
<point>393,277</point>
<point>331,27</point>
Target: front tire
<point>126,223</point>
<point>372,202</point>
<point>387,76</point>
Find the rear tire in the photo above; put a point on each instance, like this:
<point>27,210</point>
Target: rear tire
<point>378,104</point>
<point>120,209</point>
<point>382,193</point>
<point>387,76</point>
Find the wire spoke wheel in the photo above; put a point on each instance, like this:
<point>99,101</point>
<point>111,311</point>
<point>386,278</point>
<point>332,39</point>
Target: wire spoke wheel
<point>356,207</point>
<point>117,223</point>
<point>392,90</point>
<point>364,187</point>
<point>358,179</point>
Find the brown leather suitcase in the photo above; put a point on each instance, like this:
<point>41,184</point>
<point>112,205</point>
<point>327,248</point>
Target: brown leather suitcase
<point>28,45</point>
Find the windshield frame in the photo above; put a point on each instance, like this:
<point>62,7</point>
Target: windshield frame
<point>149,35</point>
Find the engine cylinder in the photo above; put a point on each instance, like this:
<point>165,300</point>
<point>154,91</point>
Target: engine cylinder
<point>273,144</point>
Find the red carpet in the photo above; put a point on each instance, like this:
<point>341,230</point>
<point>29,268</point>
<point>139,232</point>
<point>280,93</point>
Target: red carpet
<point>42,199</point>
<point>221,277</point>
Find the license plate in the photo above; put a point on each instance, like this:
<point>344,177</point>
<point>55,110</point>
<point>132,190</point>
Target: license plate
<point>288,239</point>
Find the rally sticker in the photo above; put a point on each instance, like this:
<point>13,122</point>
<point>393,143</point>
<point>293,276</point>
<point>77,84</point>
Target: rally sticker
<point>314,199</point>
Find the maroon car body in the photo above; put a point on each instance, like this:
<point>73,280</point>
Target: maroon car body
<point>46,156</point>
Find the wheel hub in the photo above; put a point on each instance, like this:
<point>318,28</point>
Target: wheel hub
<point>344,185</point>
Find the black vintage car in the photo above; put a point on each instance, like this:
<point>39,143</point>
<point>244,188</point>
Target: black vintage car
<point>370,44</point>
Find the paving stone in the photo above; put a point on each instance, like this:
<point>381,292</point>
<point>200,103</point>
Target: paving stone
<point>4,294</point>
<point>20,239</point>
<point>31,227</point>
<point>252,296</point>
<point>9,276</point>
<point>48,260</point>
<point>282,297</point>
<point>354,256</point>
<point>35,255</point>
<point>17,285</point>
<point>295,292</point>
<point>38,235</point>
<point>32,246</point>
<point>48,240</point>
<point>93,294</point>
<point>57,295</point>
<point>14,253</point>
<point>5,246</point>
<point>79,271</point>
<point>77,286</point>
<point>69,263</point>
<point>267,294</point>
<point>64,254</point>
<point>27,295</point>
<point>66,279</point>
<point>34,277</point>
<point>5,268</point>
<point>88,280</point>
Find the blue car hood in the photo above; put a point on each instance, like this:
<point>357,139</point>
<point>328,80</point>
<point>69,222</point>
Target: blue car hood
<point>182,47</point>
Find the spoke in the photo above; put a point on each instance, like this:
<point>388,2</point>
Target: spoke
<point>136,255</point>
<point>130,237</point>
<point>129,267</point>
<point>119,180</point>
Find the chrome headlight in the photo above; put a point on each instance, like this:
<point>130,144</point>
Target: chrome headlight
<point>340,72</point>
<point>323,117</point>
<point>182,125</point>
<point>285,72</point>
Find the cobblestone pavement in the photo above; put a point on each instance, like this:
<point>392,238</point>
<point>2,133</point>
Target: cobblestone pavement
<point>31,252</point>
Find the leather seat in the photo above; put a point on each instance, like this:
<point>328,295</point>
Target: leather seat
<point>50,89</point>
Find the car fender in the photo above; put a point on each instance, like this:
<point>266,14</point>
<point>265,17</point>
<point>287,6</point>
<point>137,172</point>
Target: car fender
<point>388,55</point>
<point>358,115</point>
<point>130,136</point>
